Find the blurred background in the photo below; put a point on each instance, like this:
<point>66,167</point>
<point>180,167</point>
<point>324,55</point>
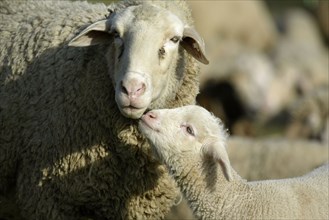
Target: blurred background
<point>268,72</point>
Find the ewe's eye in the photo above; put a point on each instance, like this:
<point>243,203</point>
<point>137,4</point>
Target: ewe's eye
<point>118,42</point>
<point>189,130</point>
<point>175,39</point>
<point>162,52</point>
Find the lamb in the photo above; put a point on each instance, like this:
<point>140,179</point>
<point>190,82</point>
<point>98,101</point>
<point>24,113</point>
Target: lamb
<point>74,78</point>
<point>191,142</point>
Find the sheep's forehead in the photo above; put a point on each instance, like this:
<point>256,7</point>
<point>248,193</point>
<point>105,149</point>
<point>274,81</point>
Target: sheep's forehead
<point>150,17</point>
<point>205,123</point>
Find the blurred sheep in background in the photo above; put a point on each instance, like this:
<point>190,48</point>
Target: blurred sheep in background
<point>310,116</point>
<point>259,63</point>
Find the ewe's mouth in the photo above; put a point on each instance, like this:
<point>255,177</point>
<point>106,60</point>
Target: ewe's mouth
<point>132,107</point>
<point>132,112</point>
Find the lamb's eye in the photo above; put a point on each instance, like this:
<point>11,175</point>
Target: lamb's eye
<point>175,39</point>
<point>189,130</point>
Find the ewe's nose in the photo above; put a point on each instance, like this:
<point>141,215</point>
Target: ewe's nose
<point>133,88</point>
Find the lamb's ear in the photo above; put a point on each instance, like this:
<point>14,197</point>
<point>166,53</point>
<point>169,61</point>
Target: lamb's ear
<point>96,33</point>
<point>194,44</point>
<point>217,151</point>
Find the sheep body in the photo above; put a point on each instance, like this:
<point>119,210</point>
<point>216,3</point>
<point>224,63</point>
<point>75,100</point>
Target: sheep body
<point>273,158</point>
<point>267,158</point>
<point>65,147</point>
<point>193,148</point>
<point>228,35</point>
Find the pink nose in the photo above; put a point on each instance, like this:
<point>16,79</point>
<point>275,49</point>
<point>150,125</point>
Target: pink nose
<point>151,115</point>
<point>151,119</point>
<point>133,88</point>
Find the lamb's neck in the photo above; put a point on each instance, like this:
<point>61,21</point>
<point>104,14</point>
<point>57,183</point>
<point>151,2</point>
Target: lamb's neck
<point>209,193</point>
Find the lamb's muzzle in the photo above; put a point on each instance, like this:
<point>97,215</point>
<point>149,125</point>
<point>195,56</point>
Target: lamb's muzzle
<point>151,120</point>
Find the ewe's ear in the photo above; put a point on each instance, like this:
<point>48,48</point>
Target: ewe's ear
<point>217,151</point>
<point>194,45</point>
<point>96,33</point>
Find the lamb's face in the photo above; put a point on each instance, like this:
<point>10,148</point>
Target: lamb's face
<point>143,54</point>
<point>183,130</point>
<point>190,132</point>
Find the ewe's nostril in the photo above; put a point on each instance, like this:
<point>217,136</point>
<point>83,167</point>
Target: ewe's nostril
<point>140,91</point>
<point>133,88</point>
<point>123,89</point>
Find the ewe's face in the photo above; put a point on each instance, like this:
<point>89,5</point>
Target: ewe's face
<point>183,130</point>
<point>146,41</point>
<point>143,52</point>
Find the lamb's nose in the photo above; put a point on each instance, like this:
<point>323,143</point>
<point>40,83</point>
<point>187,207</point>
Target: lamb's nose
<point>151,115</point>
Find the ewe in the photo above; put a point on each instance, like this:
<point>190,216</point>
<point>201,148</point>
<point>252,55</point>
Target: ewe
<point>191,142</point>
<point>69,144</point>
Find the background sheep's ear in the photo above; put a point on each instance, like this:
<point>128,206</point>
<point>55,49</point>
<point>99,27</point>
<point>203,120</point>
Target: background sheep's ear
<point>96,33</point>
<point>194,45</point>
<point>217,151</point>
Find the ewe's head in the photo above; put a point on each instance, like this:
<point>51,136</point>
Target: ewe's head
<point>143,53</point>
<point>189,131</point>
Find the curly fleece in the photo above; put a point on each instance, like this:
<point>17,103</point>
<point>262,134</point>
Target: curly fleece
<point>64,146</point>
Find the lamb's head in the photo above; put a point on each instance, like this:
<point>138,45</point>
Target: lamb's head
<point>143,53</point>
<point>188,131</point>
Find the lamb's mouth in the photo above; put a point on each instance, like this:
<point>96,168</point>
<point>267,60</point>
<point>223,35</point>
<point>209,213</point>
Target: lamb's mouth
<point>143,123</point>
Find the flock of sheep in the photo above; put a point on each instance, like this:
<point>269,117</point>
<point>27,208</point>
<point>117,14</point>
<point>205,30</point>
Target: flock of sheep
<point>270,64</point>
<point>80,136</point>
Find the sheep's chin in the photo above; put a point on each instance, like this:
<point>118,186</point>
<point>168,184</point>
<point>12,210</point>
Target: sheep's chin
<point>150,133</point>
<point>131,112</point>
